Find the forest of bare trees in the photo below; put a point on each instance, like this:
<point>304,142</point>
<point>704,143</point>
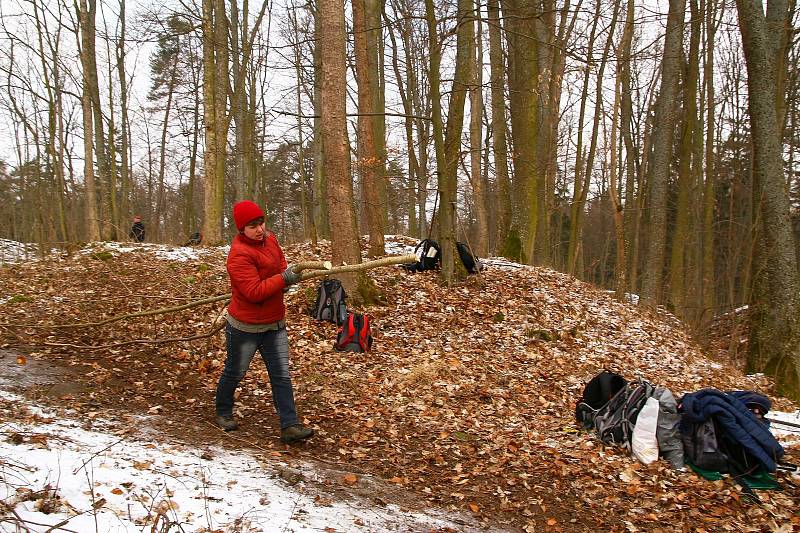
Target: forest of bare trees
<point>649,148</point>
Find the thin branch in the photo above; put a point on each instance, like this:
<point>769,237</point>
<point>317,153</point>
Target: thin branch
<point>402,115</point>
<point>316,269</point>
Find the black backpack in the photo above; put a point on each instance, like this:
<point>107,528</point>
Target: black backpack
<point>429,254</point>
<point>330,304</point>
<point>701,446</point>
<point>355,334</point>
<point>471,263</point>
<point>708,446</point>
<point>597,393</point>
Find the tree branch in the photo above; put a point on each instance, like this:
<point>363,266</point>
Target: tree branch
<point>316,269</point>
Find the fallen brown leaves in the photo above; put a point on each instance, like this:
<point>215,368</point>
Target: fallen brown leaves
<point>467,399</point>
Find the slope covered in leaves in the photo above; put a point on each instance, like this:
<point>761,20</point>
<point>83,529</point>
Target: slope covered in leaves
<point>466,401</point>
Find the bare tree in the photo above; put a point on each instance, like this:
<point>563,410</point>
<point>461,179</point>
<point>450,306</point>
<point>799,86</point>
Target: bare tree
<point>481,243</point>
<point>662,152</point>
<point>344,234</point>
<point>369,161</point>
<point>499,124</point>
<point>86,16</point>
<point>775,302</point>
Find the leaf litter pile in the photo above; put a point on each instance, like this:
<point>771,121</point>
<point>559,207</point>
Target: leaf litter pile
<point>466,402</point>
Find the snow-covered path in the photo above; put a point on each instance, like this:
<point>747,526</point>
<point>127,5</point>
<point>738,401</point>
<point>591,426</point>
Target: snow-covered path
<point>57,476</point>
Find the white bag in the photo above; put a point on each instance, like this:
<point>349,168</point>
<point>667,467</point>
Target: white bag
<point>643,442</point>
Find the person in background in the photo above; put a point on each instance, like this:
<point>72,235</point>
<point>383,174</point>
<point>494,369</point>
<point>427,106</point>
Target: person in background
<point>137,230</point>
<point>195,238</point>
<point>256,320</point>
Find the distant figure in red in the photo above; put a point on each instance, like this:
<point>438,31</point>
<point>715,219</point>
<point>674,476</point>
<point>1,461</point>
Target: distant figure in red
<point>137,230</point>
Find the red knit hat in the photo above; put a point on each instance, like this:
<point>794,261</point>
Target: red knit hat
<point>244,212</point>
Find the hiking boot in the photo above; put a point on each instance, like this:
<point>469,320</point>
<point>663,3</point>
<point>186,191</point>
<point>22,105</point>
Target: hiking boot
<point>295,433</point>
<point>227,422</point>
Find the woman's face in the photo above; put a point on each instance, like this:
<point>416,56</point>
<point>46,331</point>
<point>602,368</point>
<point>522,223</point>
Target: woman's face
<point>255,229</point>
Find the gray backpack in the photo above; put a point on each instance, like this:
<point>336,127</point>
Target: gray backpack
<point>614,422</point>
<point>330,304</point>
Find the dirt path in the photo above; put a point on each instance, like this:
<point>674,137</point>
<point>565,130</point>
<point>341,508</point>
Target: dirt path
<point>111,404</point>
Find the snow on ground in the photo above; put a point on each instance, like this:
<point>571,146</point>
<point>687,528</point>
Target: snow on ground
<point>162,251</point>
<point>109,481</point>
<point>785,427</point>
<point>13,251</point>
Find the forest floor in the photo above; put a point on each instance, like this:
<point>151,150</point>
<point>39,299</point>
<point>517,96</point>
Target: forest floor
<point>465,404</point>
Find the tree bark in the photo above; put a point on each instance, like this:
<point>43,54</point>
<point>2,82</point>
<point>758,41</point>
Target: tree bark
<point>578,200</point>
<point>679,262</point>
<point>86,17</point>
<point>369,161</point>
<point>499,125</point>
<point>707,286</point>
<point>775,302</point>
<point>344,235</point>
<point>662,153</point>
<point>523,74</point>
<point>450,155</point>
<point>616,204</point>
<point>480,244</point>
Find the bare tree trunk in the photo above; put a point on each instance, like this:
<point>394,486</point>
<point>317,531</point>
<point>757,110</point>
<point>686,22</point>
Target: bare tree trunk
<point>344,235</point>
<point>775,302</point>
<point>212,213</point>
<point>616,204</point>
<point>320,180</point>
<point>523,75</point>
<point>405,98</point>
<point>375,55</point>
<point>52,85</point>
<point>662,153</point>
<point>577,187</point>
<point>448,158</point>
<point>86,33</point>
<point>190,221</point>
<point>162,159</point>
<point>309,227</point>
<point>90,77</point>
<point>480,244</point>
<point>550,122</point>
<point>369,162</point>
<point>116,233</point>
<point>632,157</point>
<point>709,199</point>
<point>500,147</point>
<point>686,184</point>
<point>435,49</point>
<point>124,148</point>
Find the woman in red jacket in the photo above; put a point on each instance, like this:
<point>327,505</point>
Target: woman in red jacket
<point>259,274</point>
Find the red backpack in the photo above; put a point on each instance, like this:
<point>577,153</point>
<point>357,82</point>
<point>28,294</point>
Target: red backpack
<point>355,334</point>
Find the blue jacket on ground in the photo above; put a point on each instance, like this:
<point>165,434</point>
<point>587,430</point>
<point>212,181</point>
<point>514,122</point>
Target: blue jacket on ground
<point>736,420</point>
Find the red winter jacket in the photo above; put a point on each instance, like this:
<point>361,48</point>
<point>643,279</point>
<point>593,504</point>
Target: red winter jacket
<point>255,269</point>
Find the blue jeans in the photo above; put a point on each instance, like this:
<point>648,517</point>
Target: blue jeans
<point>274,348</point>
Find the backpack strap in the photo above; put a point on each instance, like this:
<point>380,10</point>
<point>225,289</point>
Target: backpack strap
<point>347,333</point>
<point>364,336</point>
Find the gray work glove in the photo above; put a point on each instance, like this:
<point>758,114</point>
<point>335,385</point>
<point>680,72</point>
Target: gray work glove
<point>290,276</point>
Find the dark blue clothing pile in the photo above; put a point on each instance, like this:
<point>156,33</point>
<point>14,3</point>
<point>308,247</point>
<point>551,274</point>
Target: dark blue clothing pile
<point>732,414</point>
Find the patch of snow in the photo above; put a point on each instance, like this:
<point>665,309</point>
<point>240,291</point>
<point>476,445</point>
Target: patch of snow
<point>789,435</point>
<point>161,251</point>
<point>501,262</point>
<point>14,252</point>
<point>115,483</point>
